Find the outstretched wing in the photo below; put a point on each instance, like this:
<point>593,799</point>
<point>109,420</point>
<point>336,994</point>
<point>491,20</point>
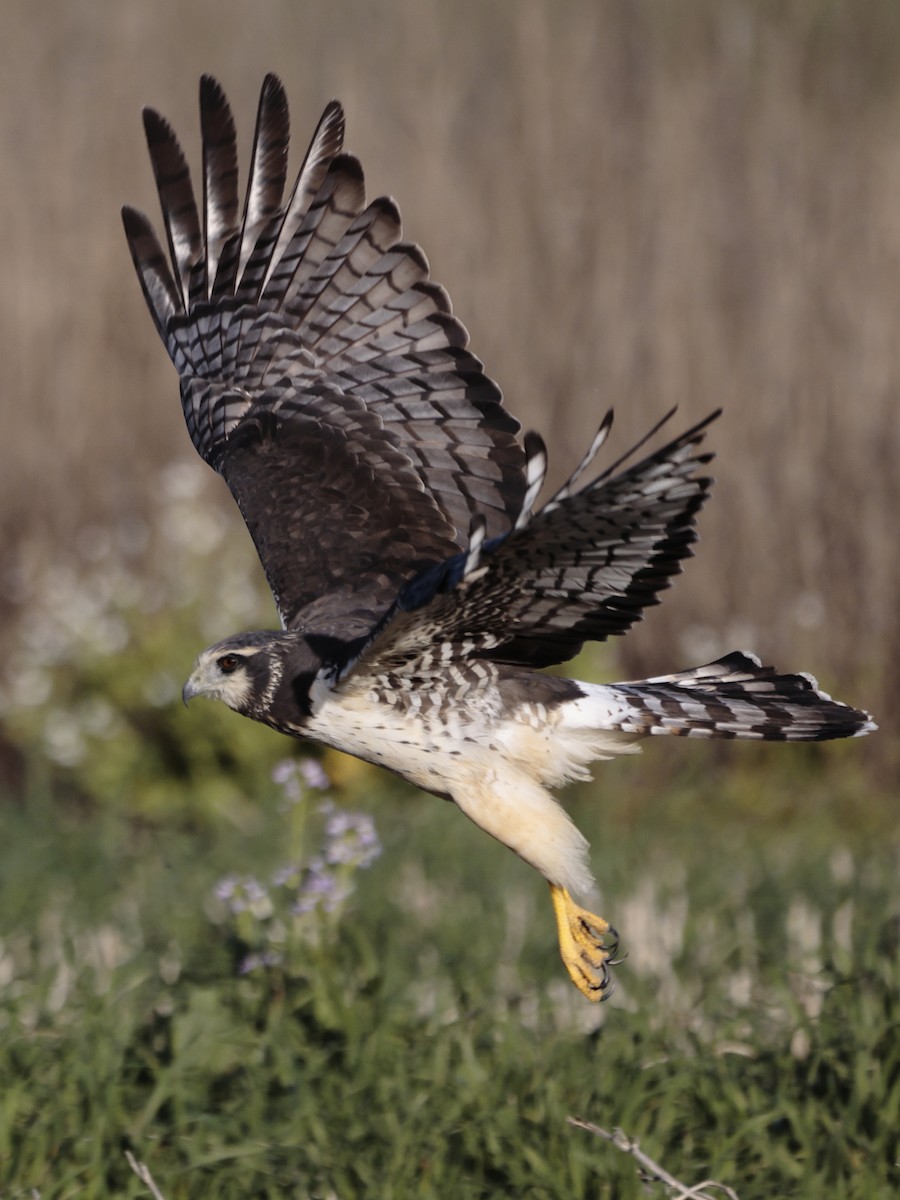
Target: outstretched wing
<point>582,569</point>
<point>322,373</point>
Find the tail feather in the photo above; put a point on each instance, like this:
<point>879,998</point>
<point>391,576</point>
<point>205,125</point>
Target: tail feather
<point>736,697</point>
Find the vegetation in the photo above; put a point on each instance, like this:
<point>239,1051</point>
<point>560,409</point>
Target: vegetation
<point>205,959</point>
<point>261,986</point>
<point>421,1039</point>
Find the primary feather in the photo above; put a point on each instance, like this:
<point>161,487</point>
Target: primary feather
<point>322,372</point>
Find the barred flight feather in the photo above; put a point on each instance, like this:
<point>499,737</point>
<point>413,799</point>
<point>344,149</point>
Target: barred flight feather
<point>318,296</point>
<point>585,566</point>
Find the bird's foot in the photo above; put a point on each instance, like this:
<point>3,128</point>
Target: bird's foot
<point>584,946</point>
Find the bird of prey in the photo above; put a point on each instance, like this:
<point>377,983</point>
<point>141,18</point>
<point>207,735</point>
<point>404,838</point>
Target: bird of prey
<point>393,505</point>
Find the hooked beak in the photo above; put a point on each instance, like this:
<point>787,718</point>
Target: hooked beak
<point>189,690</point>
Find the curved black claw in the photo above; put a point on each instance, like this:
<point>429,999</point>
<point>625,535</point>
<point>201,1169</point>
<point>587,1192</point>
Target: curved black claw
<point>583,944</point>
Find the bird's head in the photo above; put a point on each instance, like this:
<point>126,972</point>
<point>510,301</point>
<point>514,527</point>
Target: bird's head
<point>269,675</point>
<point>243,672</point>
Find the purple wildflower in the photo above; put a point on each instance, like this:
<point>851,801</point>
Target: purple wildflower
<point>320,889</point>
<point>286,775</point>
<point>287,876</point>
<point>265,958</point>
<point>351,840</point>
<point>296,776</point>
<point>225,888</point>
<point>314,774</point>
<point>241,892</point>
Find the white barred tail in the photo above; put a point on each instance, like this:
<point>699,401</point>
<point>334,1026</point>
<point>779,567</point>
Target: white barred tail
<point>733,697</point>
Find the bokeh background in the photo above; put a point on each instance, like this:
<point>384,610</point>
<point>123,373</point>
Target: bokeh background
<point>632,204</point>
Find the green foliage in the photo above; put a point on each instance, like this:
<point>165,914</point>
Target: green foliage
<point>91,691</point>
<point>427,1044</point>
<point>195,968</point>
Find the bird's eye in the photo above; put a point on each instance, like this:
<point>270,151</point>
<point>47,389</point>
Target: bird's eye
<point>228,663</point>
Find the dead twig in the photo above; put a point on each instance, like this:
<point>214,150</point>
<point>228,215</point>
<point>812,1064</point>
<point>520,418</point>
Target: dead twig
<point>143,1173</point>
<point>682,1191</point>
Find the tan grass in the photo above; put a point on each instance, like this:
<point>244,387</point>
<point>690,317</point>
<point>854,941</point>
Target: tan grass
<point>633,204</point>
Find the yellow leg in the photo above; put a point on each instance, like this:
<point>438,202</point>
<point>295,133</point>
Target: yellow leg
<point>586,956</point>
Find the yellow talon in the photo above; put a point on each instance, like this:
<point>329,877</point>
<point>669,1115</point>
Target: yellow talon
<point>586,956</point>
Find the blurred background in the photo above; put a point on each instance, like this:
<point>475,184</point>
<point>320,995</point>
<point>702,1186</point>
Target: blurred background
<point>632,204</point>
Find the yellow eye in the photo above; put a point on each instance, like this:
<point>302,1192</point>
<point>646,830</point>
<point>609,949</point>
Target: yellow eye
<point>228,663</point>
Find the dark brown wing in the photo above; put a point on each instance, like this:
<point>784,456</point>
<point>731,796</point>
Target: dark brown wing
<point>581,569</point>
<point>322,373</point>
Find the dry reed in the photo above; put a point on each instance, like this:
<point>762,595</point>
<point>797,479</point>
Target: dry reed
<point>633,204</point>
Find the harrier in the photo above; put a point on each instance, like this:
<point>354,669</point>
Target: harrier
<point>392,504</point>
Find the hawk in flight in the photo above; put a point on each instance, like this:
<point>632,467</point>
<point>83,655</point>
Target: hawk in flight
<point>392,503</point>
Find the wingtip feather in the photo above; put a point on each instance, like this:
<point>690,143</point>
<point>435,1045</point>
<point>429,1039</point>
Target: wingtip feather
<point>153,268</point>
